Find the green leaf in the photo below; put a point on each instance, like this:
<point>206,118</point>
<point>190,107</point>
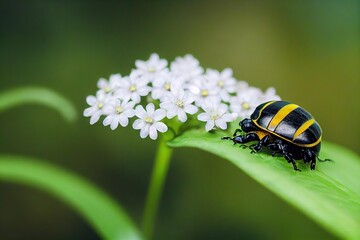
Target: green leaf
<point>330,194</point>
<point>37,95</point>
<point>106,217</point>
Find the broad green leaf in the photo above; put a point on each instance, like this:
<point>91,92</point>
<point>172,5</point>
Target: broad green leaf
<point>37,95</point>
<point>103,213</point>
<point>330,194</point>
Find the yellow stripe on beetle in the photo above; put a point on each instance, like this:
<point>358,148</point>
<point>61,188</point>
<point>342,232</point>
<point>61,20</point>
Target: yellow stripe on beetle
<point>265,106</point>
<point>280,115</point>
<point>303,128</point>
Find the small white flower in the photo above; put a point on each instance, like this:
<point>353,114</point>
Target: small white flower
<point>118,111</point>
<point>187,67</point>
<point>215,115</point>
<point>109,87</point>
<point>133,87</point>
<point>163,85</point>
<point>245,102</point>
<point>152,68</point>
<point>96,106</point>
<point>224,82</point>
<point>203,90</point>
<point>270,95</point>
<point>178,103</point>
<point>148,121</point>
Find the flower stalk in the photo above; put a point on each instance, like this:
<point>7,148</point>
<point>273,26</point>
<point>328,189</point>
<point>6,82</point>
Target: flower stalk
<point>158,176</point>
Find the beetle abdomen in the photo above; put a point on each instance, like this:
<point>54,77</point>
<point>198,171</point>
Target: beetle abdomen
<point>288,121</point>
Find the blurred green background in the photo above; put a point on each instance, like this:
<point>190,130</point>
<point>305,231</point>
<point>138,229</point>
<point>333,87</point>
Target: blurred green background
<point>308,50</point>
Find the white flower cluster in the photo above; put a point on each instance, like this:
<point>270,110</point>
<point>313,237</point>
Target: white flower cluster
<point>182,90</point>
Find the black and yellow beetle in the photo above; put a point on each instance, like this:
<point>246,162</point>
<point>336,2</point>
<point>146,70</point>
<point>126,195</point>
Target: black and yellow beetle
<point>286,129</point>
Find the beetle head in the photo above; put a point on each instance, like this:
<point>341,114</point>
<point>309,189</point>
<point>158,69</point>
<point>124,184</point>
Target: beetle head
<point>247,125</point>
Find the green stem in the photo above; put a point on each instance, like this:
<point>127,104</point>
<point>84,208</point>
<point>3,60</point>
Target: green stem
<point>158,176</point>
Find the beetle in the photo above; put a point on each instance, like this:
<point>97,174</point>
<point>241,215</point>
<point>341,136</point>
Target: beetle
<point>285,128</point>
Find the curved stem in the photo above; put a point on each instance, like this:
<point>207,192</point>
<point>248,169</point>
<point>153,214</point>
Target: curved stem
<point>158,177</point>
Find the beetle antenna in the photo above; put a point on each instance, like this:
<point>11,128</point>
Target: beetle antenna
<point>324,160</point>
<point>226,138</point>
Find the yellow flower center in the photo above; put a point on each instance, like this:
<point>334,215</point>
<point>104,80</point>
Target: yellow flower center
<point>214,117</point>
<point>179,103</point>
<point>100,105</point>
<point>119,109</point>
<point>107,89</point>
<point>167,86</point>
<point>151,69</point>
<point>220,83</point>
<point>204,92</point>
<point>148,120</point>
<point>245,105</point>
<point>132,88</point>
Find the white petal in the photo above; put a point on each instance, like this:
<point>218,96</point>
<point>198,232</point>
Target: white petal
<point>167,105</point>
<point>161,127</point>
<point>227,117</point>
<point>108,109</point>
<point>159,114</point>
<point>144,90</point>
<point>191,109</point>
<point>128,104</point>
<point>135,97</point>
<point>221,123</point>
<point>182,115</point>
<point>140,64</point>
<point>171,113</point>
<point>140,112</point>
<point>94,118</point>
<point>194,89</point>
<point>123,120</point>
<point>209,125</point>
<point>153,132</point>
<point>180,94</point>
<point>91,100</point>
<point>134,76</point>
<point>222,108</point>
<point>154,57</point>
<point>162,63</point>
<point>114,124</point>
<point>211,73</point>
<point>158,82</point>
<point>189,98</point>
<point>89,111</point>
<point>138,124</point>
<point>204,117</point>
<point>227,73</point>
<point>102,83</point>
<point>150,108</point>
<point>107,121</point>
<point>144,132</point>
<point>129,113</point>
<point>224,96</point>
<point>157,93</point>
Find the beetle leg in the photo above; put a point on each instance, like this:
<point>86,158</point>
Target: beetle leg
<point>241,139</point>
<point>277,147</point>
<point>249,137</point>
<point>263,142</point>
<point>310,157</point>
<point>289,158</point>
<point>237,131</point>
<point>274,153</point>
<point>229,138</point>
<point>226,138</point>
<point>324,160</point>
